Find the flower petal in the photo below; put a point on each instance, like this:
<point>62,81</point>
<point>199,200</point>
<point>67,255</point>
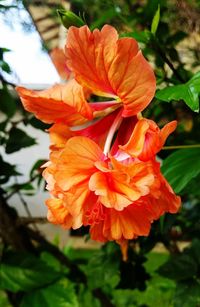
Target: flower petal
<point>58,214</point>
<point>76,162</point>
<point>59,134</point>
<point>60,103</point>
<point>59,60</point>
<point>111,67</point>
<point>89,56</point>
<point>147,139</point>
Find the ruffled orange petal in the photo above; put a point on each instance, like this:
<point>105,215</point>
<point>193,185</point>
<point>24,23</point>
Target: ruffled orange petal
<point>111,67</point>
<point>122,225</point>
<point>119,187</point>
<point>59,60</point>
<point>58,214</point>
<point>60,103</point>
<point>111,193</point>
<point>168,201</point>
<point>76,162</point>
<point>147,139</point>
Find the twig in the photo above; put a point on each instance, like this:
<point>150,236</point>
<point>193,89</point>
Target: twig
<point>157,47</point>
<point>31,220</point>
<point>180,147</point>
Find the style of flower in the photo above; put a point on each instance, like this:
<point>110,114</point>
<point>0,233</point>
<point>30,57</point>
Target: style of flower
<point>102,170</point>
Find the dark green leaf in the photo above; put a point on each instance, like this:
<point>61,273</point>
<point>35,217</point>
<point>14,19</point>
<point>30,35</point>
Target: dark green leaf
<point>36,169</point>
<point>25,188</point>
<point>109,276</point>
<point>179,267</point>
<point>24,272</point>
<point>141,37</point>
<point>3,125</point>
<point>18,139</point>
<point>7,102</point>
<point>150,8</point>
<point>5,67</point>
<point>107,15</point>
<point>7,170</point>
<point>181,167</point>
<point>188,92</point>
<point>2,50</point>
<point>176,38</point>
<point>36,123</point>
<point>155,21</point>
<point>187,294</point>
<point>193,250</point>
<point>192,188</point>
<point>59,294</point>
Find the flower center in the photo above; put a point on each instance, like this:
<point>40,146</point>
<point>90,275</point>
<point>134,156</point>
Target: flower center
<point>96,214</point>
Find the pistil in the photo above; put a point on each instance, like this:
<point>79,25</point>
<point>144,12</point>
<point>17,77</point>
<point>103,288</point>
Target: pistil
<point>112,130</point>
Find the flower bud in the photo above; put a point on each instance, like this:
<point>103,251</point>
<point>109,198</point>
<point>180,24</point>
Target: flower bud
<point>69,19</point>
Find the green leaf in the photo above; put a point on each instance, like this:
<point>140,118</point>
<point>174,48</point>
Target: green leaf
<point>107,15</point>
<point>155,21</point>
<point>2,50</point>
<point>124,298</point>
<point>69,19</point>
<point>181,167</point>
<point>179,267</point>
<point>53,262</point>
<point>18,139</point>
<point>59,294</point>
<point>4,302</point>
<point>141,37</point>
<point>24,272</point>
<point>7,103</point>
<point>187,294</point>
<point>26,188</point>
<point>86,299</point>
<point>188,92</point>
<point>36,123</point>
<point>5,67</point>
<point>7,170</point>
<point>109,276</point>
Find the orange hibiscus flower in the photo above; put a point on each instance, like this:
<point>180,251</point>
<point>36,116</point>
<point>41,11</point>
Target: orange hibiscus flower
<point>119,199</point>
<point>102,170</point>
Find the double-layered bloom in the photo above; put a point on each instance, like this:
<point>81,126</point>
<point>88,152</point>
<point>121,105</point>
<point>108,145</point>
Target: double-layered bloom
<point>102,170</point>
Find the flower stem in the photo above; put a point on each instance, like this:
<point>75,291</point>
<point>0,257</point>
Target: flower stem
<point>115,125</point>
<point>180,147</point>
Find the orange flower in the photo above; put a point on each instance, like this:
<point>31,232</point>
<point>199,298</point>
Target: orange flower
<point>118,199</point>
<point>103,173</point>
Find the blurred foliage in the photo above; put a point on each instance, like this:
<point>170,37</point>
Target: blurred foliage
<point>35,272</point>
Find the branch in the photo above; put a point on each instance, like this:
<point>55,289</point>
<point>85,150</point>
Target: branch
<point>4,81</point>
<point>157,47</point>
